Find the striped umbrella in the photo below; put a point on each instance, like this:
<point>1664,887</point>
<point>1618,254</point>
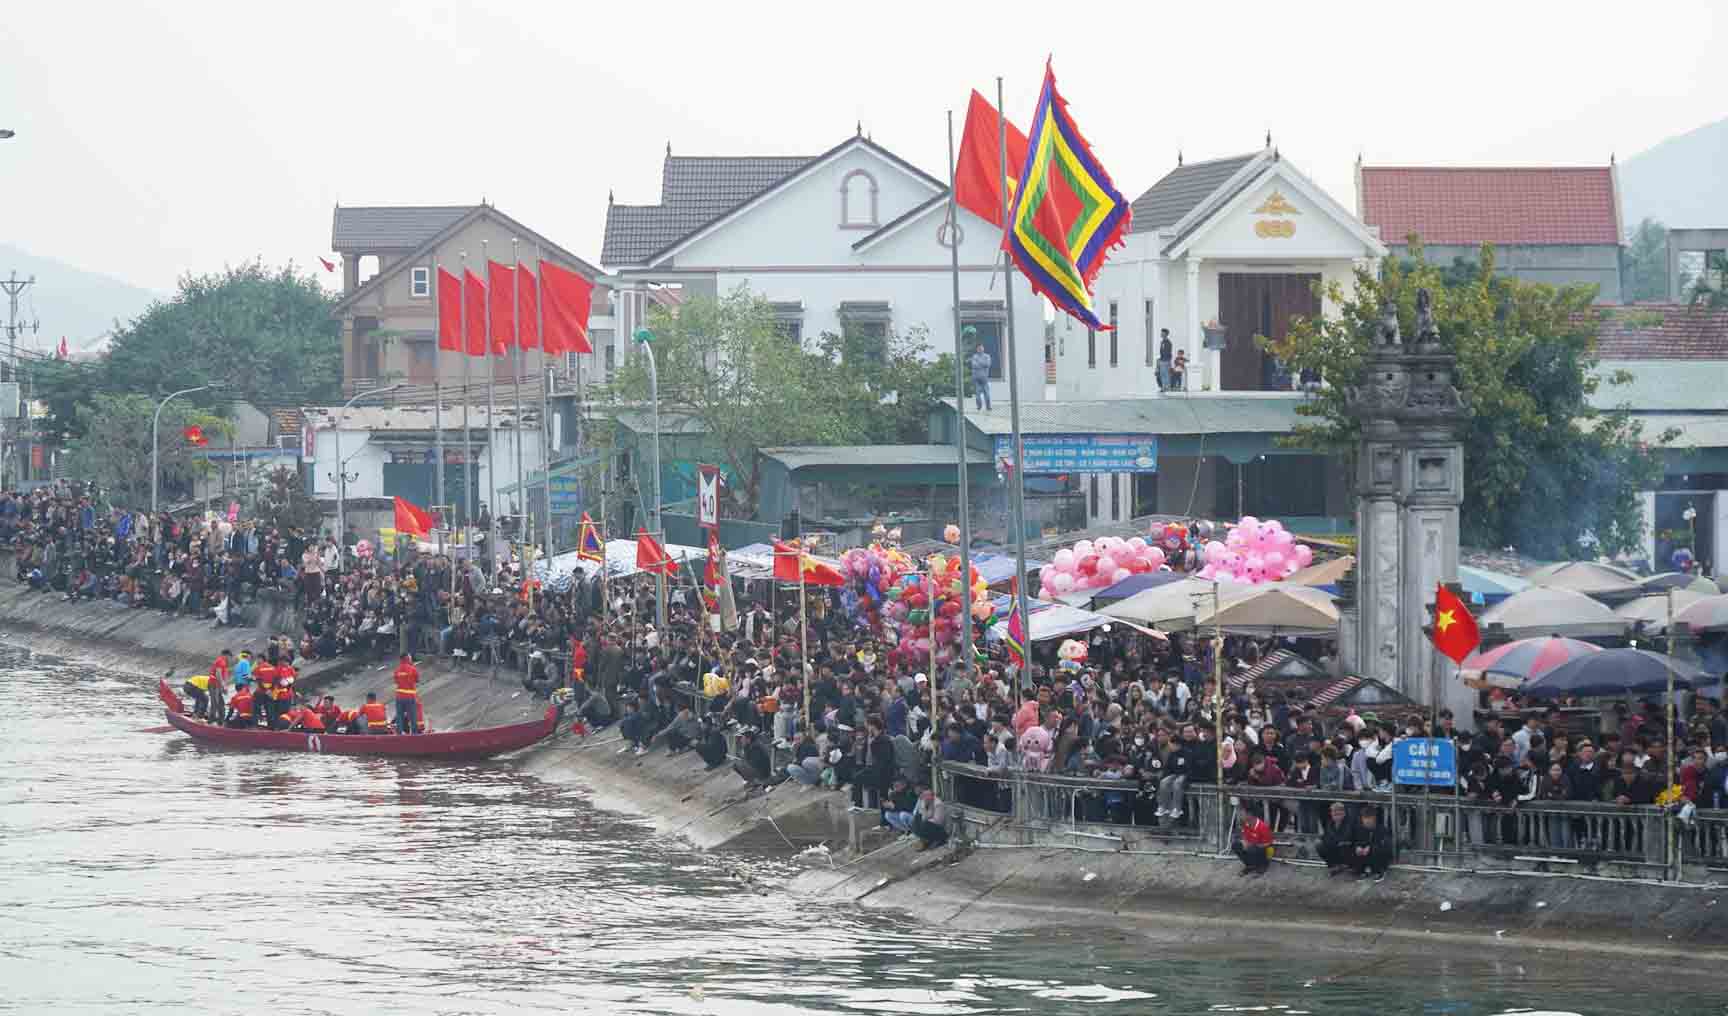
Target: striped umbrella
<point>1527,659</point>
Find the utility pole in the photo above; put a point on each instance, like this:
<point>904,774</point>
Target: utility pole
<point>14,287</point>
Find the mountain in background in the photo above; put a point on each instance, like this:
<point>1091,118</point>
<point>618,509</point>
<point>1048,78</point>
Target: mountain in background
<point>70,302</point>
<point>1682,182</point>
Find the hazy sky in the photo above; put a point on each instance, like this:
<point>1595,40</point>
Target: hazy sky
<point>159,138</point>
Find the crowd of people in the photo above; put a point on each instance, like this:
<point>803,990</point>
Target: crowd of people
<point>1138,714</point>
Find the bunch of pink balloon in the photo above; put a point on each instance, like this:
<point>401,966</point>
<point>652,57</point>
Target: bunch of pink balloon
<point>930,608</point>
<point>1253,552</point>
<point>1097,564</point>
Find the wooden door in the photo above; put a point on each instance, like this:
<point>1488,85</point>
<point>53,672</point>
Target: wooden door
<point>1250,305</point>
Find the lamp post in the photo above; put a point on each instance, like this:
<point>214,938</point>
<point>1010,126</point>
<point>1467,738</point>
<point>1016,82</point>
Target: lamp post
<point>342,476</point>
<point>155,443</point>
<point>645,339</point>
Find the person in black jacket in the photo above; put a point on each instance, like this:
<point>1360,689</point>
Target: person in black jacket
<point>754,768</point>
<point>713,747</point>
<point>1370,852</point>
<point>1336,833</point>
<point>877,774</point>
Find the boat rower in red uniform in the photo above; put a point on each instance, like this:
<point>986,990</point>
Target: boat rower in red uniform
<point>264,693</point>
<point>372,713</point>
<point>407,695</point>
<point>240,708</point>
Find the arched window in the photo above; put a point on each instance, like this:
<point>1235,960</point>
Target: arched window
<point>858,200</point>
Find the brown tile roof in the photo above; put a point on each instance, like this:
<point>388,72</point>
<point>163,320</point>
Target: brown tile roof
<point>1662,332</point>
<point>1537,205</point>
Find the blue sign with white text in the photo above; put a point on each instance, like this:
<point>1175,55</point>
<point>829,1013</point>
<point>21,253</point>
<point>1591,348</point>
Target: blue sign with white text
<point>1049,454</point>
<point>1425,762</point>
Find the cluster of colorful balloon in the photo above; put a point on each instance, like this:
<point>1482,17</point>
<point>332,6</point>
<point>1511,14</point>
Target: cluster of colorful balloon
<point>1253,552</point>
<point>1095,565</point>
<point>928,609</point>
<point>874,573</point>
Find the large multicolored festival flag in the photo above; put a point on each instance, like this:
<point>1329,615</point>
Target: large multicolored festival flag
<point>588,544</point>
<point>1016,639</point>
<point>978,169</point>
<point>1067,215</point>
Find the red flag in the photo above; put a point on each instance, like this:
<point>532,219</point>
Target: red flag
<point>650,556</point>
<point>566,297</point>
<point>65,354</point>
<point>790,560</point>
<point>527,300</point>
<point>411,520</point>
<point>328,264</point>
<point>474,326</point>
<point>1455,632</point>
<point>978,170</point>
<point>449,312</point>
<point>711,574</point>
<point>501,280</point>
<point>194,435</point>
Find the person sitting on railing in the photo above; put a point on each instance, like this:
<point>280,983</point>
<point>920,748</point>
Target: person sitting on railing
<point>1180,754</point>
<point>1370,846</point>
<point>1304,774</point>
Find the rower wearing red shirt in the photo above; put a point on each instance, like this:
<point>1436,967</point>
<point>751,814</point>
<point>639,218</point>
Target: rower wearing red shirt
<point>330,713</point>
<point>373,715</point>
<point>1255,850</point>
<point>407,694</point>
<point>264,697</point>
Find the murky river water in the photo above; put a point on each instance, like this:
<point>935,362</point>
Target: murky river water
<point>140,873</point>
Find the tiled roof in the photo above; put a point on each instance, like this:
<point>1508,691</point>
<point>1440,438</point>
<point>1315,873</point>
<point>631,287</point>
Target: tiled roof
<point>1662,332</point>
<point>402,227</point>
<point>1181,189</point>
<point>694,190</point>
<point>1537,205</point>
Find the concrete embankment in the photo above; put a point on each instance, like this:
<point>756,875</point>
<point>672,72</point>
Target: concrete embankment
<point>1173,894</point>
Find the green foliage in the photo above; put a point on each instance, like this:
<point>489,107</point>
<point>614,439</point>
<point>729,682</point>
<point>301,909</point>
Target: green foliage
<point>1647,263</point>
<point>284,503</point>
<point>115,448</point>
<point>267,335</point>
<point>1543,470</point>
<point>726,364</point>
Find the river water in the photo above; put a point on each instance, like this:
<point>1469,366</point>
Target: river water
<point>140,873</point>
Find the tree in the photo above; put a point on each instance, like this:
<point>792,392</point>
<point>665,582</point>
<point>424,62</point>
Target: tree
<point>728,365</point>
<point>267,335</point>
<point>115,449</point>
<point>284,504</point>
<point>1647,263</point>
<point>1526,365</point>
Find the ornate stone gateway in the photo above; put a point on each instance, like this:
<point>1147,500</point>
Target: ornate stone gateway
<point>1410,483</point>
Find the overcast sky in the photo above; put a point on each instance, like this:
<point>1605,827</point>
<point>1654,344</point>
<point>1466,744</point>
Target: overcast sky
<point>158,138</point>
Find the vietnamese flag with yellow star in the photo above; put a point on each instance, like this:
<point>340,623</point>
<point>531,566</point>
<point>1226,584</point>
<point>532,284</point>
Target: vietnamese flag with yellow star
<point>1455,632</point>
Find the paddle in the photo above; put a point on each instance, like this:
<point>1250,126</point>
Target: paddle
<point>165,728</point>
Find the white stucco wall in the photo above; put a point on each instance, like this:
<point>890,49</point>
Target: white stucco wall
<point>367,458</point>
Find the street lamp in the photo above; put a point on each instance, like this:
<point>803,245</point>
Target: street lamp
<point>342,475</point>
<point>155,424</point>
<point>645,339</point>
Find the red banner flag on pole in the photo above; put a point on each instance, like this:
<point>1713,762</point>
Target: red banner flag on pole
<point>566,296</point>
<point>449,312</point>
<point>474,327</point>
<point>977,172</point>
<point>651,557</point>
<point>500,278</point>
<point>411,520</point>
<point>1455,632</point>
<point>527,298</point>
<point>791,564</point>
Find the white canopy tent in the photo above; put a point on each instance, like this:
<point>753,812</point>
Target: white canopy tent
<point>620,562</point>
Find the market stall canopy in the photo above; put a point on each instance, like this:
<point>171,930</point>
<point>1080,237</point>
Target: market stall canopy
<point>756,561</point>
<point>997,569</point>
<point>1602,581</point>
<point>1653,610</point>
<point>562,570</point>
<point>1325,573</point>
<point>1488,586</point>
<point>1274,609</point>
<point>1616,672</point>
<point>1527,659</point>
<point>1707,613</point>
<point>1543,610</point>
<point>1171,607</point>
<point>1058,620</point>
<point>1681,581</point>
<point>1134,584</point>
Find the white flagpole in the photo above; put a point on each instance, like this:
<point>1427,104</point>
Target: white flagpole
<point>437,395</point>
<point>546,369</point>
<point>516,379</point>
<point>468,476</point>
<point>491,420</point>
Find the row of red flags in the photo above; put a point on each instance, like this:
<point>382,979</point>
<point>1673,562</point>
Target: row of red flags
<point>519,303</point>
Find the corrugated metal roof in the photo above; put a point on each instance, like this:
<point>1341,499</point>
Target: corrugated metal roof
<point>694,190</point>
<point>1260,413</point>
<point>870,455</point>
<point>402,227</point>
<point>1675,386</point>
<point>1181,189</point>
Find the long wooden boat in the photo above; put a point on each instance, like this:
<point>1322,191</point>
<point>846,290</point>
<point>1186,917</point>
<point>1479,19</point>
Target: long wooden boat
<point>448,744</point>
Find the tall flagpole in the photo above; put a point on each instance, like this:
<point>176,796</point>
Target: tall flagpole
<point>516,378</point>
<point>437,395</point>
<point>1017,483</point>
<point>804,669</point>
<point>545,402</point>
<point>491,421</point>
<point>468,476</point>
<point>966,656</point>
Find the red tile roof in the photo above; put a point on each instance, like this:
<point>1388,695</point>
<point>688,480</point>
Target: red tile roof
<point>1544,205</point>
<point>1662,332</point>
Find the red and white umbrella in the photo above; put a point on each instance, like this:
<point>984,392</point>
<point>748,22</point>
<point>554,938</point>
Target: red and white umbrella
<point>1527,659</point>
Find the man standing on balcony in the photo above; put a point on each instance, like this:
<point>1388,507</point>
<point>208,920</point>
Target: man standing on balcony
<point>980,362</point>
<point>1165,352</point>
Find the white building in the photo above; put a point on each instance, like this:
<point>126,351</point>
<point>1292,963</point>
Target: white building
<point>1240,242</point>
<point>849,241</point>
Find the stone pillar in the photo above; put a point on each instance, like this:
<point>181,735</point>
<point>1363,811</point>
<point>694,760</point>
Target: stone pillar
<point>1410,484</point>
<point>1195,349</point>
